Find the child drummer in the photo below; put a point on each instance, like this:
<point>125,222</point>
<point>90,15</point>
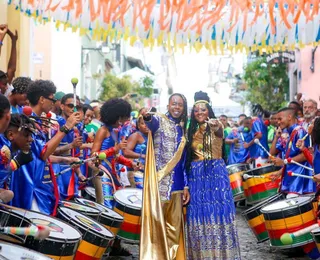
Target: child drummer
<point>292,185</point>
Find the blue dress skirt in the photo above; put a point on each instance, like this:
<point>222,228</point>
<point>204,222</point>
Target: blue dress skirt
<point>211,228</point>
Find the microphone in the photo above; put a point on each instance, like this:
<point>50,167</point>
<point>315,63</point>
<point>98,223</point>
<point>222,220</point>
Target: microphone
<point>38,232</point>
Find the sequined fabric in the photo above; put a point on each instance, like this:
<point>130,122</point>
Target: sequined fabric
<point>211,229</point>
<point>165,143</point>
<point>197,145</point>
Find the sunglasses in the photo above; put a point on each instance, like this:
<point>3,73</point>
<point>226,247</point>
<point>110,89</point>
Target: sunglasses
<point>72,106</point>
<point>51,99</point>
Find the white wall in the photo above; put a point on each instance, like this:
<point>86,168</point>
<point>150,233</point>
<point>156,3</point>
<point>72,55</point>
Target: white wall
<point>66,59</point>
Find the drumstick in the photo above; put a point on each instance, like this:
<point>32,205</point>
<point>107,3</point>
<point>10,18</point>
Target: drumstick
<point>256,141</point>
<point>100,173</point>
<point>100,156</point>
<point>304,138</point>
<point>74,82</point>
<point>289,160</point>
<point>300,175</point>
<point>242,137</point>
<point>287,238</point>
<point>247,176</point>
<point>39,232</point>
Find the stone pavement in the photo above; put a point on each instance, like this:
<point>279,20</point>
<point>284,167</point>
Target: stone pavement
<point>250,250</point>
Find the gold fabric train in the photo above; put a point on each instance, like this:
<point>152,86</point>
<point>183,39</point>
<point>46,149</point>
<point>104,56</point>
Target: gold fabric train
<point>153,240</point>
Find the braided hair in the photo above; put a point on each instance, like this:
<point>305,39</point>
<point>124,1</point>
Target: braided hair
<point>22,122</point>
<point>194,125</point>
<point>184,117</point>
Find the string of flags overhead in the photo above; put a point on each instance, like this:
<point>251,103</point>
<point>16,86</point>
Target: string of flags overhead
<point>238,25</point>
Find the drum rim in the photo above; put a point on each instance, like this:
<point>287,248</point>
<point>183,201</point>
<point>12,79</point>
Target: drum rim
<point>45,257</point>
<point>89,188</point>
<point>105,209</point>
<point>253,207</point>
<point>287,208</point>
<point>58,219</point>
<point>264,167</point>
<point>87,212</point>
<point>122,203</point>
<point>88,227</point>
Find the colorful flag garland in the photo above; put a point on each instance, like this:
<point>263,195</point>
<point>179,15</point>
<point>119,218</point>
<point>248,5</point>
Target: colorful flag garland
<point>269,25</point>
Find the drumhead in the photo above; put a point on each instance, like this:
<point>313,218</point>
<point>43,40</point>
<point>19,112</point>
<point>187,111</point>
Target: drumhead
<point>91,191</point>
<point>129,197</point>
<point>84,221</point>
<point>286,204</point>
<point>58,229</point>
<point>263,203</point>
<point>103,209</point>
<point>80,207</point>
<point>10,251</point>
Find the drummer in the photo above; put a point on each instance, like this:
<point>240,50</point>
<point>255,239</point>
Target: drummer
<point>27,183</point>
<point>17,138</point>
<point>236,139</point>
<point>69,146</point>
<point>291,185</point>
<point>258,131</point>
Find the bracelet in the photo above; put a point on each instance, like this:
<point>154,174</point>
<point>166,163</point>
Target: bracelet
<point>186,188</point>
<point>64,129</point>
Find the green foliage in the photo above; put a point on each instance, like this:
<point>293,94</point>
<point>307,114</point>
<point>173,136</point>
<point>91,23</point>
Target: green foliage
<point>267,84</point>
<point>114,87</point>
<point>146,89</point>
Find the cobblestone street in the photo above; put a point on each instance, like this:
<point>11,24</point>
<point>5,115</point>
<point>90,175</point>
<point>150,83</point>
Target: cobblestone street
<point>250,250</point>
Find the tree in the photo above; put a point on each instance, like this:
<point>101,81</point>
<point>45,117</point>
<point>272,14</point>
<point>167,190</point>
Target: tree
<point>267,84</point>
<point>114,87</point>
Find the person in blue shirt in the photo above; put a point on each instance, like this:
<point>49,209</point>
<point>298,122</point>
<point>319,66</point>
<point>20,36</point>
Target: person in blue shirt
<point>236,139</point>
<point>258,131</point>
<point>28,185</point>
<point>11,141</point>
<point>293,185</point>
<point>70,146</point>
<point>18,97</point>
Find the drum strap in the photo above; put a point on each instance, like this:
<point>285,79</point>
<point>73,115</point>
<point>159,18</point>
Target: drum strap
<point>55,188</point>
<point>71,188</point>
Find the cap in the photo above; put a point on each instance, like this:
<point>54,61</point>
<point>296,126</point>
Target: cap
<point>59,95</point>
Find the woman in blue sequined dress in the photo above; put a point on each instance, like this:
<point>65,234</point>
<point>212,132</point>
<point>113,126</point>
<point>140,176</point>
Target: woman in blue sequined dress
<point>211,229</point>
<point>137,149</point>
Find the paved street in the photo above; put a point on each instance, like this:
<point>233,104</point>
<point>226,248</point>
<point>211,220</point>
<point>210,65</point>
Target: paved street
<point>250,250</point>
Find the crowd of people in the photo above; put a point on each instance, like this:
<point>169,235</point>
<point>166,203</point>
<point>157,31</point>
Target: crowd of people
<point>44,132</point>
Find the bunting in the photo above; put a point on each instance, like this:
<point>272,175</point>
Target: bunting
<point>271,25</point>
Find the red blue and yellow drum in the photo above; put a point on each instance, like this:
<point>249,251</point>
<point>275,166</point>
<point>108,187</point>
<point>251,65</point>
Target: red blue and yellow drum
<point>128,203</point>
<point>107,217</point>
<point>288,216</point>
<point>255,218</point>
<point>258,189</point>
<point>235,175</point>
<point>95,237</point>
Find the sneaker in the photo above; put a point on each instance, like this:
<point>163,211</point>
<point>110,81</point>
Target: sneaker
<point>119,251</point>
